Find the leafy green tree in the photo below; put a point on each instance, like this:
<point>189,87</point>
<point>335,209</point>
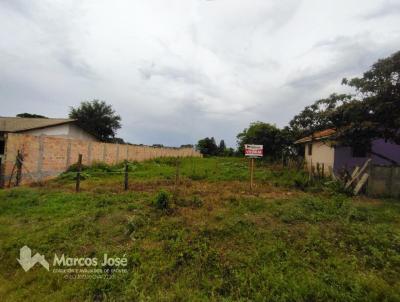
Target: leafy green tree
<point>271,137</point>
<point>229,152</point>
<point>97,118</point>
<point>207,146</point>
<point>221,148</point>
<point>187,146</point>
<point>317,116</point>
<point>375,110</point>
<point>118,140</point>
<point>372,113</point>
<point>30,115</point>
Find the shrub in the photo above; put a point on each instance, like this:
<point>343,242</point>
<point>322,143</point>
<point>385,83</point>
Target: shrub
<point>74,168</point>
<point>101,166</point>
<point>197,202</point>
<point>169,161</point>
<point>135,223</point>
<point>72,176</point>
<point>162,200</point>
<point>301,182</point>
<point>335,186</point>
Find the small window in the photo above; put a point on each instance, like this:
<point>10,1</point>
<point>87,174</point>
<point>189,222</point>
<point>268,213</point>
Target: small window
<point>309,147</point>
<point>1,147</point>
<point>360,151</point>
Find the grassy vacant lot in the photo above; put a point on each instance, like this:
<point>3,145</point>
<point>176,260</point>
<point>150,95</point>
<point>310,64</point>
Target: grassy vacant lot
<point>286,241</point>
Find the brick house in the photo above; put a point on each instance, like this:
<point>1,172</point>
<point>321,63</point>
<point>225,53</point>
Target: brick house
<point>57,127</point>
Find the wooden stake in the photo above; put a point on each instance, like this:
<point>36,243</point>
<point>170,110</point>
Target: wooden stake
<point>361,183</point>
<point>357,173</point>
<point>177,173</point>
<point>78,174</point>
<point>126,184</point>
<point>175,195</point>
<point>16,165</point>
<point>1,174</point>
<point>11,176</point>
<point>251,173</point>
<point>19,168</point>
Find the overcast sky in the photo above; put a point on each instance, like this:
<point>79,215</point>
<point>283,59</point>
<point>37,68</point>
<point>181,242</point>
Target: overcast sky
<point>180,70</point>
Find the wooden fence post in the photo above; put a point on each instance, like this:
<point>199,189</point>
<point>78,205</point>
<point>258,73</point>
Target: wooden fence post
<point>176,186</point>
<point>78,174</point>
<point>1,174</point>
<point>251,173</point>
<point>193,167</point>
<point>126,184</point>
<point>19,161</point>
<point>177,172</point>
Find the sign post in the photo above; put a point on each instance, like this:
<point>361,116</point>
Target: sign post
<point>252,152</point>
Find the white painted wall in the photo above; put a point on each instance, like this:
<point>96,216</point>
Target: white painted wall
<point>78,133</point>
<point>322,153</point>
<point>65,130</point>
<point>59,130</point>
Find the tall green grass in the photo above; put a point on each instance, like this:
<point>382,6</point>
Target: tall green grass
<point>274,245</point>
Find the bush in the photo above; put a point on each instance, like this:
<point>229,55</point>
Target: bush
<point>135,223</point>
<point>72,176</point>
<point>162,200</point>
<point>301,182</point>
<point>168,161</point>
<point>74,168</point>
<point>194,202</point>
<point>197,202</point>
<point>335,186</point>
<point>101,166</point>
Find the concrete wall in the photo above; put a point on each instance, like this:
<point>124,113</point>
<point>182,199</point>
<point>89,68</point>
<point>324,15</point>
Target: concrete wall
<point>65,130</point>
<point>48,156</point>
<point>322,153</point>
<point>384,181</point>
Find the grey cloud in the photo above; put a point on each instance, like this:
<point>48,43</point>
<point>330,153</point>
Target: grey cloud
<point>22,7</point>
<point>199,68</point>
<point>186,75</point>
<point>282,13</point>
<point>185,125</point>
<point>352,56</point>
<point>54,33</point>
<point>77,66</point>
<point>388,8</point>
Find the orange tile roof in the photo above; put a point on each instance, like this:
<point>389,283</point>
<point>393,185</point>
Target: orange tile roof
<point>317,136</point>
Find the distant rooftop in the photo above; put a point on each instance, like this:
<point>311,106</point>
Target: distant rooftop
<point>18,124</point>
<point>319,135</point>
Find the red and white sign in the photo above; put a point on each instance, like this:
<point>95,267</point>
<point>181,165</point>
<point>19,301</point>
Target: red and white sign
<point>253,150</point>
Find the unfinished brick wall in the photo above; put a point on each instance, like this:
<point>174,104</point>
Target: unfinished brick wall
<point>48,156</point>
